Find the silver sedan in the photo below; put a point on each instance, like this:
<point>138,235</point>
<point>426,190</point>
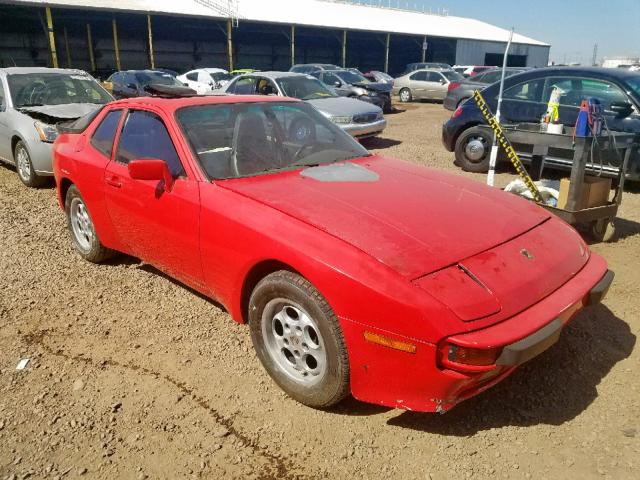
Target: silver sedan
<point>33,101</point>
<point>425,84</point>
<point>359,119</point>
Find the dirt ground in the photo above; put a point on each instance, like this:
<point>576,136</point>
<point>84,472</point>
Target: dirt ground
<point>134,376</point>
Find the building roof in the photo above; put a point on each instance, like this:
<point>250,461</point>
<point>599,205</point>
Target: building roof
<point>316,13</point>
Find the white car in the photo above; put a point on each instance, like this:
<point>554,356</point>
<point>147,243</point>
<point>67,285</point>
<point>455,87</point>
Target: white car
<point>205,80</point>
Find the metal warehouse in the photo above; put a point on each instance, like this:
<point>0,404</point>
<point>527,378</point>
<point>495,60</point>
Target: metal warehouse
<point>101,36</point>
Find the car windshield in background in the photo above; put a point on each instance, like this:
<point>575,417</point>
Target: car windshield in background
<point>34,89</point>
<point>157,78</point>
<point>494,76</point>
<point>351,77</point>
<point>247,139</point>
<point>304,88</point>
<point>634,83</point>
<point>384,76</point>
<point>452,76</point>
<point>221,76</point>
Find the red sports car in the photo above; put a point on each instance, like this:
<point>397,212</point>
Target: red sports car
<point>360,274</point>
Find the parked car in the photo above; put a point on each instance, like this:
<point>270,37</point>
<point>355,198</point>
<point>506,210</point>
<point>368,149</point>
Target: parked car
<point>404,286</point>
<point>33,102</point>
<point>525,100</point>
<point>204,80</point>
<point>133,83</point>
<point>347,83</point>
<point>357,118</point>
<point>471,70</point>
<point>380,77</point>
<point>459,92</point>
<point>312,67</point>
<point>412,67</point>
<point>431,84</point>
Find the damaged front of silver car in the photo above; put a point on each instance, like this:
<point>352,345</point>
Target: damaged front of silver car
<point>35,102</point>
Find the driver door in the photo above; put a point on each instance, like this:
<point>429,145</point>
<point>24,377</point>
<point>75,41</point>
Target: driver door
<point>159,227</point>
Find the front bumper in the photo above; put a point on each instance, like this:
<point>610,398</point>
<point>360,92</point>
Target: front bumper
<point>363,130</point>
<point>41,156</point>
<point>416,382</point>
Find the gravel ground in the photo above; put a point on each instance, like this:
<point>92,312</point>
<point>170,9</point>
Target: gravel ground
<point>132,375</point>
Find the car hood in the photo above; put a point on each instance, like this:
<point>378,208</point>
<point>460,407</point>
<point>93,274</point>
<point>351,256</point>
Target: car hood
<point>67,111</point>
<point>413,219</point>
<point>375,86</point>
<point>338,106</point>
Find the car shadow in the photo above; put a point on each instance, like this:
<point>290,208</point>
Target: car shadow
<point>551,389</point>
<point>379,143</point>
<point>48,183</point>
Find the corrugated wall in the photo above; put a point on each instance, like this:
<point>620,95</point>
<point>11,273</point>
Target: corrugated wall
<point>473,52</point>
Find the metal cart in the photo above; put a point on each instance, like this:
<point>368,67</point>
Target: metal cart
<point>600,218</point>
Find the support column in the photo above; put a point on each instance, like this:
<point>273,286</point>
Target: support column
<point>92,59</point>
<point>66,46</point>
<point>344,49</point>
<point>386,53</point>
<point>52,40</point>
<point>115,43</point>
<point>293,45</point>
<point>424,50</point>
<point>230,44</point>
<point>150,32</point>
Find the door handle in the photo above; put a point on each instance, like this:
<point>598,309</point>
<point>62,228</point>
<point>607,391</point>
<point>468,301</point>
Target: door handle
<point>114,181</point>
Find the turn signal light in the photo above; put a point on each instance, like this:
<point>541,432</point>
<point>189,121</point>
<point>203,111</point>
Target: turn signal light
<point>473,356</point>
<point>390,342</point>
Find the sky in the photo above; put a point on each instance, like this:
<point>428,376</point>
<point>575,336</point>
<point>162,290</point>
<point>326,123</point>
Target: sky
<point>572,27</point>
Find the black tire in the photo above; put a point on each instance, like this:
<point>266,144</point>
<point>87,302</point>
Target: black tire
<point>407,97</point>
<point>26,173</point>
<point>91,249</point>
<point>468,155</point>
<point>283,288</point>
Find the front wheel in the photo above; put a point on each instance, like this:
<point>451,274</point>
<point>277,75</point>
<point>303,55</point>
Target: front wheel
<point>472,150</point>
<point>405,95</point>
<point>24,166</point>
<point>298,339</point>
<point>83,233</point>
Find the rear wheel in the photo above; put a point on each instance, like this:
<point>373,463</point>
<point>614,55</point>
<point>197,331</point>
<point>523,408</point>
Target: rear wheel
<point>298,339</point>
<point>24,167</point>
<point>83,233</point>
<point>405,95</point>
<point>472,150</point>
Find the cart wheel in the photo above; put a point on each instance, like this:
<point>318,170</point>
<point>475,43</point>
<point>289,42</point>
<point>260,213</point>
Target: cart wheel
<point>604,230</point>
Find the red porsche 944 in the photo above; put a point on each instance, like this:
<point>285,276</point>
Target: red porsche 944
<point>357,274</point>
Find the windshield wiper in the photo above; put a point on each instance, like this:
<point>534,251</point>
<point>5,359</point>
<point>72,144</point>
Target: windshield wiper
<point>30,105</point>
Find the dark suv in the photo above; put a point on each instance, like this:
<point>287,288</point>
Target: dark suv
<point>347,83</point>
<point>525,100</point>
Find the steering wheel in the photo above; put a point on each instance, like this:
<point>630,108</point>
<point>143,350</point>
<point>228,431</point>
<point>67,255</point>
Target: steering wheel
<point>302,130</point>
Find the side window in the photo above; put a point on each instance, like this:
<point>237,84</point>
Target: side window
<point>145,136</point>
<point>528,91</point>
<point>266,87</point>
<point>434,77</point>
<point>245,86</point>
<point>102,139</point>
<point>193,76</point>
<point>574,90</point>
<point>420,76</point>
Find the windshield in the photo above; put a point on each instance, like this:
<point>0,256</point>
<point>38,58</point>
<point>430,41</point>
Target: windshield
<point>247,139</point>
<point>304,88</point>
<point>452,76</point>
<point>351,77</point>
<point>221,76</point>
<point>384,76</point>
<point>634,83</point>
<point>157,78</point>
<point>35,89</point>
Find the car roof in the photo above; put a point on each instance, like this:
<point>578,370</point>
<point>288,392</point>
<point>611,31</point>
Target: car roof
<point>274,75</point>
<point>16,70</point>
<point>173,104</point>
<point>598,72</point>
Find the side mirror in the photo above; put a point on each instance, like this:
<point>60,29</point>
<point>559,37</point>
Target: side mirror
<point>623,109</point>
<point>151,169</point>
<point>337,84</point>
<point>442,81</point>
